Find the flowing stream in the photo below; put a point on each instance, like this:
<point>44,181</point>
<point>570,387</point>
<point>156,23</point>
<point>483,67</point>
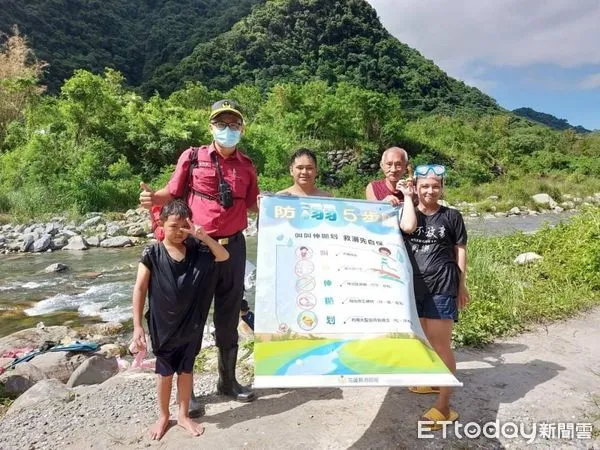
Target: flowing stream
<point>98,284</point>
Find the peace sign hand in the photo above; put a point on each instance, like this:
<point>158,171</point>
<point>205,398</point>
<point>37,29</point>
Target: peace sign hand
<point>195,230</point>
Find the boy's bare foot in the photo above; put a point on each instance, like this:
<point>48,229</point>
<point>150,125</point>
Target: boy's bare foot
<point>194,428</point>
<point>157,430</point>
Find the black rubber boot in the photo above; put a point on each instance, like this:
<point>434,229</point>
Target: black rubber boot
<point>227,384</point>
<point>196,409</point>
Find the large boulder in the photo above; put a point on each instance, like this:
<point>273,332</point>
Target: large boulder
<point>46,391</point>
<point>117,241</point>
<point>527,258</point>
<point>67,233</point>
<point>93,241</point>
<point>108,350</point>
<point>21,378</point>
<point>544,200</point>
<point>56,267</point>
<point>76,243</point>
<point>14,246</point>
<point>136,230</point>
<point>114,229</point>
<point>94,370</point>
<point>92,222</point>
<point>59,242</point>
<point>33,337</point>
<point>131,213</point>
<point>568,205</point>
<point>52,228</point>
<point>28,240</point>
<point>42,244</point>
<point>101,330</point>
<point>59,365</point>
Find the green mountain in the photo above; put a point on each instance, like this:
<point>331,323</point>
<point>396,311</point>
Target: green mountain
<point>160,44</point>
<point>331,40</point>
<point>322,74</point>
<point>133,36</point>
<point>548,120</point>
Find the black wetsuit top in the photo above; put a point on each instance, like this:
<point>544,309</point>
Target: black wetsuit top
<point>177,294</point>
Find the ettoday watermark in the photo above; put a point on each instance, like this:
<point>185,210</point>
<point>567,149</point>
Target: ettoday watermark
<point>506,430</point>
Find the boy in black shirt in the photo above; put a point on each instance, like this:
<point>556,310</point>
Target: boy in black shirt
<point>175,273</point>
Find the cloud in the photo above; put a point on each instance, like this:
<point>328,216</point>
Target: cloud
<point>590,82</point>
<point>501,33</point>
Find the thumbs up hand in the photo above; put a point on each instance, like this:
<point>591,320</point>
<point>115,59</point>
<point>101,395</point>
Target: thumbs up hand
<point>146,196</point>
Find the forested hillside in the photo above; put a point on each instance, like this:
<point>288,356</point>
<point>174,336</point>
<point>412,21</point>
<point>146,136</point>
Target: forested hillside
<point>322,74</point>
<point>548,119</point>
<point>330,40</point>
<point>160,44</point>
<point>134,36</point>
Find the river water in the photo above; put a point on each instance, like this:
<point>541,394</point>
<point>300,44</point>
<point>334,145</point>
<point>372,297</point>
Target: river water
<point>98,284</point>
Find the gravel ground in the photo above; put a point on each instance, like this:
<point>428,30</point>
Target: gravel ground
<point>550,375</point>
<point>128,398</point>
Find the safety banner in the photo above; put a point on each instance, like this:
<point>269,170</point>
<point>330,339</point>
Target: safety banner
<point>334,298</point>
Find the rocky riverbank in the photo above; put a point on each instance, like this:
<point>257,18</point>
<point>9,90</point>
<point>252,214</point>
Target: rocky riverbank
<point>96,230</point>
<point>492,207</point>
<point>72,368</point>
<point>133,227</point>
<point>62,234</point>
<point>61,376</point>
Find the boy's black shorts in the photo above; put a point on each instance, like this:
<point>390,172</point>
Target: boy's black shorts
<point>180,359</point>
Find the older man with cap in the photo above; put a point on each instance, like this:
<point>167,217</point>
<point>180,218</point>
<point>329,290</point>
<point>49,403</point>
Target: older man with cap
<point>394,162</point>
<point>220,185</point>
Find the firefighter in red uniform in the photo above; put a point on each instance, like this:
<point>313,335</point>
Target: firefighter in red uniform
<point>219,183</point>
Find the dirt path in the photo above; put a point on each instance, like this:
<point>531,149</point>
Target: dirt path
<point>550,375</point>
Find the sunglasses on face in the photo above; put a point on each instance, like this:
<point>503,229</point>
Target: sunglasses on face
<point>235,126</point>
<point>423,169</point>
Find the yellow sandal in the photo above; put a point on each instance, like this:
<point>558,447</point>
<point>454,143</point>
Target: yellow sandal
<point>424,390</point>
<point>434,415</point>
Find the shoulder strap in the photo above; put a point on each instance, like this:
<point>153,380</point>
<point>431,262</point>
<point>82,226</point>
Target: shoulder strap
<point>215,161</point>
<point>193,165</point>
<point>189,184</point>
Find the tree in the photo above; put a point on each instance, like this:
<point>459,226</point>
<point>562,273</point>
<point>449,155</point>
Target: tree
<point>20,72</point>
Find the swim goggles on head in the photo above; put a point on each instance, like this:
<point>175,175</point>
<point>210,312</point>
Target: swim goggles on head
<point>423,169</point>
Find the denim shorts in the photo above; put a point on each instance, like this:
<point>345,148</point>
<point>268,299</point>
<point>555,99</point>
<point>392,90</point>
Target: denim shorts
<point>438,307</point>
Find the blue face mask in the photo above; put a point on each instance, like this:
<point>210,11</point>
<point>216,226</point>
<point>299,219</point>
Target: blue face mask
<point>227,138</point>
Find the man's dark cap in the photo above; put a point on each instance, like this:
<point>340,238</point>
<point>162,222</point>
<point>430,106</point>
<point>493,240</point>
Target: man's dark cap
<point>225,106</point>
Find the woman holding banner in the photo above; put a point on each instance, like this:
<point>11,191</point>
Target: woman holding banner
<point>303,169</point>
<point>437,249</point>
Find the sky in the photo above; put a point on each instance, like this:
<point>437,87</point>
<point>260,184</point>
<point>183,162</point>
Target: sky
<point>542,54</point>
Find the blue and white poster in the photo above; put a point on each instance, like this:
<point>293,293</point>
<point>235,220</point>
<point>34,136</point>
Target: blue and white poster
<point>334,298</point>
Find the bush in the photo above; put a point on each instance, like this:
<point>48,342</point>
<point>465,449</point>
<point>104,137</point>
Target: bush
<point>506,298</point>
<point>89,147</point>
